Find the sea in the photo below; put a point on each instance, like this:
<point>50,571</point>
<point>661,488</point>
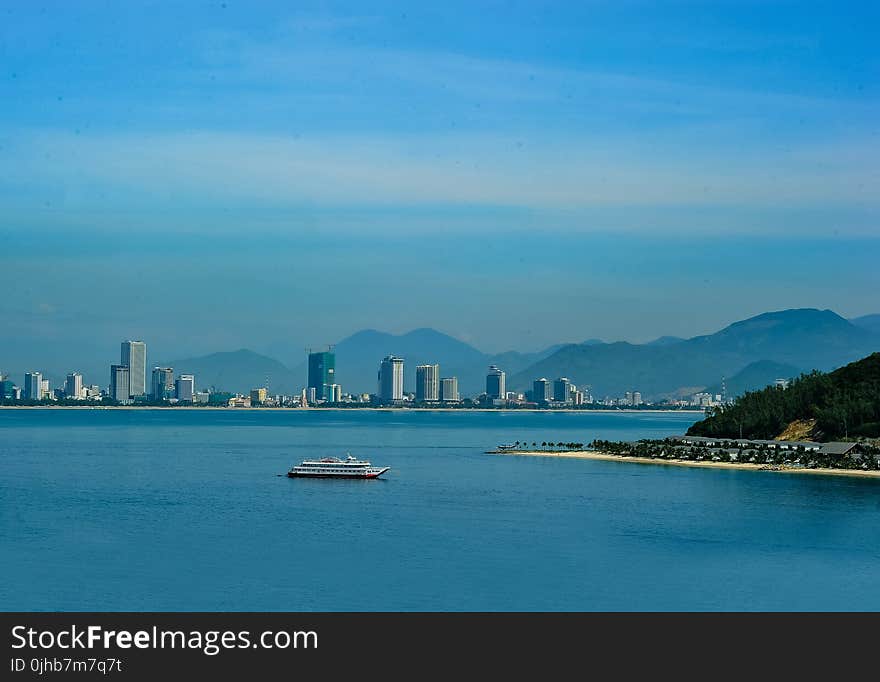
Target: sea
<point>190,510</point>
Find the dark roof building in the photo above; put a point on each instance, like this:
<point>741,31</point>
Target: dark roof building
<point>838,448</point>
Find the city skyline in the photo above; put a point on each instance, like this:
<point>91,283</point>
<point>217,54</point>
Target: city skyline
<point>833,340</point>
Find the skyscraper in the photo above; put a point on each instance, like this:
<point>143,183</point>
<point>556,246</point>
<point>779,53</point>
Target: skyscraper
<point>427,383</point>
<point>134,356</point>
<point>449,390</point>
<point>73,387</point>
<point>7,389</point>
<point>541,390</point>
<point>184,388</point>
<point>391,379</point>
<point>120,388</point>
<point>162,383</point>
<point>561,390</point>
<point>495,388</point>
<point>33,385</point>
<point>322,372</point>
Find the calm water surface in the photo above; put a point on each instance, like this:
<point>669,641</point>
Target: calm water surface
<point>184,510</point>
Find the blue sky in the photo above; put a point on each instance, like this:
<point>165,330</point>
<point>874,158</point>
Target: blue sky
<point>272,175</point>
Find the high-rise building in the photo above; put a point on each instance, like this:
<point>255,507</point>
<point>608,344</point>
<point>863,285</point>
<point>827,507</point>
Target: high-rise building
<point>637,398</point>
<point>162,383</point>
<point>134,356</point>
<point>73,387</point>
<point>45,391</point>
<point>333,393</point>
<point>391,379</point>
<point>120,388</point>
<point>541,390</point>
<point>628,398</point>
<point>33,385</point>
<point>495,383</point>
<point>7,389</point>
<point>184,388</point>
<point>427,383</point>
<point>561,390</point>
<point>449,390</point>
<point>322,372</point>
<point>259,395</point>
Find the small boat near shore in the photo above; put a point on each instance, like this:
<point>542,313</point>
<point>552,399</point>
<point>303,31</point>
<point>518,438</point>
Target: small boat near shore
<point>333,467</point>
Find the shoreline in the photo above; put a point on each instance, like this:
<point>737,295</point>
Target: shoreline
<point>340,409</point>
<point>742,466</point>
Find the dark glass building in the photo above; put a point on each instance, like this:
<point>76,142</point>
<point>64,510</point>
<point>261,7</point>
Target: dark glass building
<point>561,390</point>
<point>495,387</point>
<point>322,372</point>
<point>541,392</point>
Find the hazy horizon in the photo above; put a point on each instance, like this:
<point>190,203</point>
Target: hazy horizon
<point>238,175</point>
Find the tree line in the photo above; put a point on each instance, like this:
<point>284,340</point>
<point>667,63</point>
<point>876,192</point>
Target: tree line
<point>845,404</point>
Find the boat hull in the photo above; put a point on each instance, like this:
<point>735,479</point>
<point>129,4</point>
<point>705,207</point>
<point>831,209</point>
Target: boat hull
<point>362,475</point>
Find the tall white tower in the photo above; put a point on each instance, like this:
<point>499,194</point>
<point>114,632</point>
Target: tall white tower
<point>134,356</point>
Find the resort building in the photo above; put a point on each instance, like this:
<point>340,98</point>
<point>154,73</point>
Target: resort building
<point>184,388</point>
<point>541,393</point>
<point>427,383</point>
<point>495,380</point>
<point>33,385</point>
<point>449,390</point>
<point>162,383</point>
<point>73,387</point>
<point>391,379</point>
<point>119,383</point>
<point>562,389</point>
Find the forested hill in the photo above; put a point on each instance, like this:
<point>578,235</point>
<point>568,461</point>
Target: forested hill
<point>839,404</point>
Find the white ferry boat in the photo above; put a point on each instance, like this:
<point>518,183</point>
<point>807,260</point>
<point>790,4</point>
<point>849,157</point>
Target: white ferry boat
<point>333,467</point>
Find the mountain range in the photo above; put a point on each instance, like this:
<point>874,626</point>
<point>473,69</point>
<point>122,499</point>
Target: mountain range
<point>238,371</point>
<point>869,322</point>
<point>749,354</point>
<point>801,339</point>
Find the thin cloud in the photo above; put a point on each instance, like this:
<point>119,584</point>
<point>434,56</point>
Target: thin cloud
<point>463,169</point>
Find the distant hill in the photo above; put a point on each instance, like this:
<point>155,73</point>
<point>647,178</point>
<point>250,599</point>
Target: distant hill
<point>237,371</point>
<point>755,376</point>
<point>843,403</point>
<point>358,357</point>
<point>869,322</point>
<point>803,338</point>
<point>665,341</point>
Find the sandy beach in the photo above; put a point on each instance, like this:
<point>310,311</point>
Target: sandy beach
<point>745,466</point>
